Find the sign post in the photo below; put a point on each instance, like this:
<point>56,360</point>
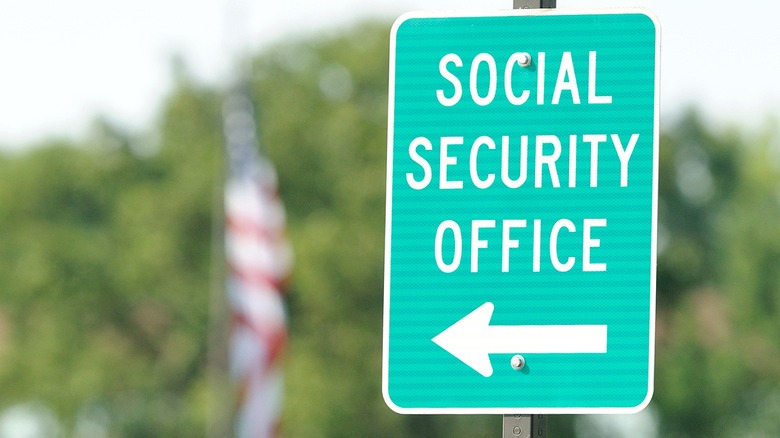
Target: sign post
<point>533,4</point>
<point>516,425</point>
<point>521,212</point>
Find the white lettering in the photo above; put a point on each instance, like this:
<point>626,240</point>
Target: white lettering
<point>514,183</point>
<point>540,78</point>
<point>572,161</point>
<point>560,267</point>
<point>624,155</point>
<point>455,98</point>
<point>507,242</point>
<point>476,242</point>
<point>592,97</point>
<point>566,80</point>
<point>446,161</point>
<point>510,244</point>
<point>594,141</point>
<point>480,183</point>
<point>427,172</point>
<point>537,245</point>
<point>483,162</point>
<point>491,63</point>
<point>549,160</point>
<point>515,59</point>
<point>457,252</point>
<point>588,243</point>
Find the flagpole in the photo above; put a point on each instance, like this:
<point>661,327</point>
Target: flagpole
<point>220,418</point>
<point>219,415</point>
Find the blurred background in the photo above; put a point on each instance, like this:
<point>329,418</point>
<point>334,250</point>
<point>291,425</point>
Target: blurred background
<point>111,176</point>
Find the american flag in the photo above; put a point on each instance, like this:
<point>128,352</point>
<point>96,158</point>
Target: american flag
<point>259,259</point>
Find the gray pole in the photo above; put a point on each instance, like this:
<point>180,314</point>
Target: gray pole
<point>533,4</point>
<point>527,426</point>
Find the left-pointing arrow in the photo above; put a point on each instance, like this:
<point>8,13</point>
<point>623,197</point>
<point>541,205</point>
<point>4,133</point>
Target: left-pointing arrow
<point>472,339</point>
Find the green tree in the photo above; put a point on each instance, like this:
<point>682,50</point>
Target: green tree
<point>105,273</point>
<point>717,363</point>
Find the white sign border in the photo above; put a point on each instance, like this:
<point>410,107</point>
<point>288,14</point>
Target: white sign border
<point>389,197</point>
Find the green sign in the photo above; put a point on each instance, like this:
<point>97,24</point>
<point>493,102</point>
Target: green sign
<point>521,212</point>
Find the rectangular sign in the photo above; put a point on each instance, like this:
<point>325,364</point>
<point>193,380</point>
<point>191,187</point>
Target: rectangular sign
<point>520,239</point>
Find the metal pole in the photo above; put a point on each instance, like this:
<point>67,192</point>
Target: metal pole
<point>527,426</point>
<point>517,426</point>
<point>534,4</point>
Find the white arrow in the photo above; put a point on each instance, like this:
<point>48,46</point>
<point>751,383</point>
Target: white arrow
<point>472,339</point>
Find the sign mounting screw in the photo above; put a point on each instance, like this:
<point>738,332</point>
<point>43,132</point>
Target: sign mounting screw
<point>517,362</point>
<point>525,59</point>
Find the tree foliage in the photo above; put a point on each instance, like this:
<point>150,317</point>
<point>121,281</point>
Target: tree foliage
<point>105,273</point>
<point>106,263</point>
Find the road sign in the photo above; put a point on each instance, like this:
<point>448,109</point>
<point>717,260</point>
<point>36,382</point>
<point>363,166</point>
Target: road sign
<point>521,212</point>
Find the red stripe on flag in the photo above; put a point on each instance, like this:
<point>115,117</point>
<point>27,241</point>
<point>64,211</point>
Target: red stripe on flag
<point>246,227</point>
<point>274,338</point>
<point>256,277</point>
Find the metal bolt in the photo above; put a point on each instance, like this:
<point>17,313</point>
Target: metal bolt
<point>517,362</point>
<point>525,59</point>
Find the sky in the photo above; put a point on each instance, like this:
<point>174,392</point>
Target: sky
<point>62,64</point>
